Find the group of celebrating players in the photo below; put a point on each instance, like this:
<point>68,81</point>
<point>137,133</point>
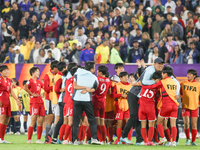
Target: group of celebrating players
<point>158,102</point>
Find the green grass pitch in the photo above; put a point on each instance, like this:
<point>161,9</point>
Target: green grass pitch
<point>19,143</point>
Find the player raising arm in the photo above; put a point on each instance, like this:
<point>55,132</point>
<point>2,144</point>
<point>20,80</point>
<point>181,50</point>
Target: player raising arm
<point>5,108</point>
<point>37,110</point>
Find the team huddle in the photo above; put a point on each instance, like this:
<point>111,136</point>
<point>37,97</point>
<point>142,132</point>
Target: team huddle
<point>79,108</point>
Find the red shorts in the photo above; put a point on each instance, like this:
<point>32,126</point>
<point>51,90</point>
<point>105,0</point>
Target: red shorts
<point>5,110</point>
<point>190,113</point>
<point>121,115</point>
<point>145,113</point>
<point>99,112</point>
<point>169,111</point>
<point>37,109</point>
<point>70,110</point>
<point>65,111</point>
<point>110,115</point>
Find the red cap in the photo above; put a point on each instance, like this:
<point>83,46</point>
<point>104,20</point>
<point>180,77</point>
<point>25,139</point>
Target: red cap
<point>54,8</point>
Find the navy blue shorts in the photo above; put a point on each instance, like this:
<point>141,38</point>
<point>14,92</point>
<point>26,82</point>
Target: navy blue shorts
<point>14,113</point>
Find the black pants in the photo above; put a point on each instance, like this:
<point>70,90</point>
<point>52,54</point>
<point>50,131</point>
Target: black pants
<point>133,121</point>
<point>198,122</point>
<point>60,122</point>
<point>78,109</point>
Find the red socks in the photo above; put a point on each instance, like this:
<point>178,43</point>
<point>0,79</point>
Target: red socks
<point>144,134</point>
<point>104,133</point>
<point>194,134</point>
<point>161,130</point>
<point>88,134</point>
<point>174,133</point>
<point>119,133</point>
<point>67,131</point>
<point>168,134</point>
<point>30,132</point>
<point>99,133</point>
<point>2,131</point>
<point>84,128</point>
<point>39,132</point>
<point>61,132</point>
<point>187,133</point>
<point>156,135</point>
<point>110,134</point>
<point>150,133</point>
<point>130,134</point>
<point>80,133</point>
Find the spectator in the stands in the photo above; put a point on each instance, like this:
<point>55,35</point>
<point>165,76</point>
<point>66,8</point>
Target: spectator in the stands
<point>177,28</point>
<point>40,59</point>
<point>177,56</point>
<point>17,57</point>
<point>76,53</point>
<point>163,51</point>
<point>41,34</point>
<point>38,6</point>
<point>31,11</point>
<point>123,49</point>
<point>25,4</point>
<point>34,24</point>
<point>179,8</point>
<point>5,8</point>
<point>114,55</point>
<point>27,17</point>
<point>156,24</point>
<point>192,54</point>
<point>135,53</point>
<point>29,45</point>
<point>60,45</point>
<point>167,21</point>
<point>80,36</point>
<point>50,57</point>
<point>128,38</point>
<point>138,36</point>
<point>65,27</point>
<point>128,15</point>
<point>34,52</point>
<point>8,33</point>
<point>172,4</point>
<point>56,16</point>
<point>16,16</point>
<point>23,31</point>
<point>45,11</point>
<point>51,29</point>
<point>87,54</point>
<point>55,51</point>
<point>10,53</point>
<point>149,14</point>
<point>153,55</point>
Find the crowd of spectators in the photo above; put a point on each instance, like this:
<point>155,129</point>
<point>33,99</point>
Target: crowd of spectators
<point>40,31</point>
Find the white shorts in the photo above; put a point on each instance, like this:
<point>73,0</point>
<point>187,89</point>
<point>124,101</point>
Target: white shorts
<point>48,106</point>
<point>74,5</point>
<point>56,109</point>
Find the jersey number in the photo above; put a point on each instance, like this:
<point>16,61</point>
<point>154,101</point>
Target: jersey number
<point>103,88</point>
<point>148,93</point>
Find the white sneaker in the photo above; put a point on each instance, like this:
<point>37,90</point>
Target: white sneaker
<point>17,133</point>
<point>1,141</point>
<point>173,143</point>
<point>29,142</point>
<point>6,142</point>
<point>76,142</point>
<point>168,144</point>
<point>95,142</point>
<point>39,142</point>
<point>11,133</point>
<point>65,142</point>
<point>109,143</point>
<point>163,140</point>
<point>70,143</point>
<point>26,133</point>
<point>104,143</point>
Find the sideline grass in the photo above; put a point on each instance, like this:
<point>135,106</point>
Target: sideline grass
<point>19,143</point>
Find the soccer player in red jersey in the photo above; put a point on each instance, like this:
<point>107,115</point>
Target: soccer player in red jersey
<point>99,98</point>
<point>147,111</point>
<point>5,108</point>
<point>37,109</point>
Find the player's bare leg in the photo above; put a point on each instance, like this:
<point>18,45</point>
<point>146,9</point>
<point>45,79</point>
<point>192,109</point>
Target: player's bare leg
<point>103,130</point>
<point>4,120</point>
<point>194,130</point>
<point>161,129</point>
<point>173,130</point>
<point>186,120</point>
<point>119,130</point>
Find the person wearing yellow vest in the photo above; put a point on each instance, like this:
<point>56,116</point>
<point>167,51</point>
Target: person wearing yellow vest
<point>57,107</point>
<point>190,91</point>
<point>169,108</point>
<point>120,92</point>
<point>25,101</point>
<point>48,87</point>
<point>14,108</point>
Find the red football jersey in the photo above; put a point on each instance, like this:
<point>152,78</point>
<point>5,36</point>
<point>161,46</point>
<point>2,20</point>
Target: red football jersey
<point>35,88</point>
<point>69,89</point>
<point>147,96</point>
<point>101,91</point>
<point>5,86</point>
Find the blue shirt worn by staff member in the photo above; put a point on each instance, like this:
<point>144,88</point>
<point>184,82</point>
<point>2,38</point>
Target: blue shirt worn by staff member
<point>145,79</point>
<point>87,79</point>
<point>87,55</point>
